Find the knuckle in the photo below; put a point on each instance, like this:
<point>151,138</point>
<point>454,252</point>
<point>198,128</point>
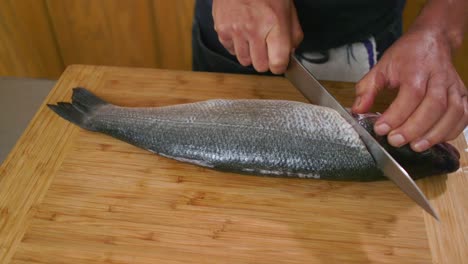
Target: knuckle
<point>434,139</point>
<point>416,82</point>
<point>234,28</point>
<point>393,119</point>
<point>250,30</point>
<point>222,28</point>
<point>300,35</point>
<point>271,18</point>
<point>360,87</point>
<point>410,132</point>
<point>228,45</point>
<point>224,41</point>
<point>438,101</point>
<point>298,38</point>
<point>418,92</point>
<point>417,87</point>
<point>457,104</point>
<point>224,31</point>
<point>462,87</point>
<point>238,28</point>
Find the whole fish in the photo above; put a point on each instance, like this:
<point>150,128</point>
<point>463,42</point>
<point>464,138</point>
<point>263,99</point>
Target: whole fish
<point>261,137</point>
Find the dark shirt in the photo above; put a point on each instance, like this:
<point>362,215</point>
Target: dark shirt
<point>325,23</point>
<point>331,23</point>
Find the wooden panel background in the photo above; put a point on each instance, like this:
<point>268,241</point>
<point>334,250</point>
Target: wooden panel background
<point>39,38</point>
<point>104,32</point>
<point>173,21</point>
<point>27,43</point>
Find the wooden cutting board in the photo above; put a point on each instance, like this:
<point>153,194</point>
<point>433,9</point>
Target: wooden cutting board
<point>74,196</point>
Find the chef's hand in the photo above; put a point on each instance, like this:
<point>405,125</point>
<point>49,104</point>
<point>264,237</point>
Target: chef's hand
<point>431,104</point>
<point>258,32</point>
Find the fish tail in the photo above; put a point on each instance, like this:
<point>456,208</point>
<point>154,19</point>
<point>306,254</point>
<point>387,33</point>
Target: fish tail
<point>81,109</point>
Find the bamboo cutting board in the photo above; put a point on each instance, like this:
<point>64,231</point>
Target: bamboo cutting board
<point>74,196</point>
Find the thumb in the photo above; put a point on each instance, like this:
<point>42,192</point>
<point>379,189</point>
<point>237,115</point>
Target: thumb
<point>367,89</point>
<point>279,47</point>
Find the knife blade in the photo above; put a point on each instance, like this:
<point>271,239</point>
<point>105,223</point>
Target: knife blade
<point>305,82</point>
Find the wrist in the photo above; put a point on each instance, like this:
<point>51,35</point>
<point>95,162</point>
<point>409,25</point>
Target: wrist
<point>444,19</point>
<point>454,38</point>
<point>447,41</point>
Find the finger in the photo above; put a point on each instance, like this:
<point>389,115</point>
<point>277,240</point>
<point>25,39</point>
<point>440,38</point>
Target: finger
<point>427,114</point>
<point>241,47</point>
<point>462,123</point>
<point>297,34</point>
<point>259,54</point>
<point>408,99</point>
<point>458,128</point>
<point>225,37</point>
<point>228,45</point>
<point>449,121</point>
<point>367,89</point>
<point>279,47</point>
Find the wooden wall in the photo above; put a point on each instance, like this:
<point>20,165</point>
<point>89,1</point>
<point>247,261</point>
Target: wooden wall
<point>39,38</point>
<point>27,42</point>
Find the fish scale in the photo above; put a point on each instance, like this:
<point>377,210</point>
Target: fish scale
<point>269,137</point>
<point>260,137</point>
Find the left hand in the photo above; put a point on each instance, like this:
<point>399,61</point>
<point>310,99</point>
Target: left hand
<point>431,105</point>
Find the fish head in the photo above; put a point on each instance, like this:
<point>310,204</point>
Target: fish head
<point>441,158</point>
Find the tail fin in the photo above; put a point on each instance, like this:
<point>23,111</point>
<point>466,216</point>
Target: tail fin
<point>84,103</point>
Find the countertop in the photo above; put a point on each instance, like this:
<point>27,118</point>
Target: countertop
<point>20,99</point>
<point>72,196</point>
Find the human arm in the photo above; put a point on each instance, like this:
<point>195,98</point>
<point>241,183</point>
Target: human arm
<point>431,105</point>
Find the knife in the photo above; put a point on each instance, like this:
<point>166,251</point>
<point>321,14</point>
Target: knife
<point>305,82</point>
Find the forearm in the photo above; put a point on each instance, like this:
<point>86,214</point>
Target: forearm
<point>444,17</point>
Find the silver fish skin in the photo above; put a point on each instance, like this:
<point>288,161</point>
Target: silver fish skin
<point>260,137</point>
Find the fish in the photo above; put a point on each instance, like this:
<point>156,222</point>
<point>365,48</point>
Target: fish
<point>276,138</point>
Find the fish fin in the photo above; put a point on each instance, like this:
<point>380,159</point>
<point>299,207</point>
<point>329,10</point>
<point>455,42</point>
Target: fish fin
<point>70,113</point>
<point>80,111</point>
<point>85,101</point>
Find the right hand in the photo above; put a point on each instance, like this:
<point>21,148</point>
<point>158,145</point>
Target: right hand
<point>262,33</point>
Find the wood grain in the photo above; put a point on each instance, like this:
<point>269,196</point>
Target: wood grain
<point>105,32</point>
<point>173,25</point>
<point>453,210</point>
<point>110,202</point>
<point>27,42</point>
<point>27,172</point>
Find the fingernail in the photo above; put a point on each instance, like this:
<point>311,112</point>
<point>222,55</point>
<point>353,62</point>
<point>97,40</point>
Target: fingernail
<point>396,140</point>
<point>382,129</point>
<point>357,102</point>
<point>421,145</point>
